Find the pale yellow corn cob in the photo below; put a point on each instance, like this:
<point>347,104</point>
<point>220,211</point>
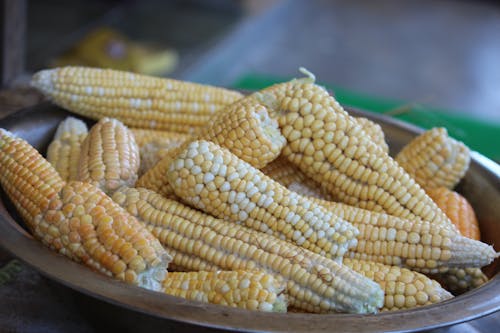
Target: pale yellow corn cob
<point>216,181</point>
<point>287,174</point>
<point>29,180</point>
<point>314,283</point>
<point>109,156</point>
<point>144,136</point>
<point>403,288</point>
<point>63,151</point>
<point>152,152</point>
<point>136,100</point>
<point>416,244</point>
<point>434,159</point>
<point>330,146</point>
<point>251,290</point>
<point>461,280</point>
<point>374,131</point>
<point>77,219</point>
<point>244,128</point>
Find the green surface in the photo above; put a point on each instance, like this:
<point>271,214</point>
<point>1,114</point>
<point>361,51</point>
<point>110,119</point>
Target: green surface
<point>479,135</point>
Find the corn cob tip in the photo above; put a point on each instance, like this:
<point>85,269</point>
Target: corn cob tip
<point>153,278</point>
<point>470,252</point>
<point>43,80</point>
<point>71,124</point>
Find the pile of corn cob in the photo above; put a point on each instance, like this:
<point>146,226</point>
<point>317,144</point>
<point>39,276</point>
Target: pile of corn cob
<point>298,203</point>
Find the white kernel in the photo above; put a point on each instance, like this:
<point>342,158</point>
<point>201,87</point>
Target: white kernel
<point>223,170</point>
<point>75,98</point>
<point>178,106</point>
<point>391,234</point>
<point>206,97</point>
<point>306,204</point>
<point>242,215</point>
<point>215,168</point>
<point>240,196</point>
<point>296,235</point>
<point>321,234</point>
<point>308,233</point>
<point>268,202</point>
<point>209,156</point>
<point>225,187</point>
<point>232,177</point>
<point>244,284</point>
<point>288,217</point>
<point>195,170</point>
<point>231,197</point>
<point>185,285</point>
<point>100,91</point>
<point>179,164</point>
<point>250,207</point>
<point>262,186</point>
<point>88,90</point>
<point>295,219</point>
<point>188,162</point>
<point>261,200</point>
<point>208,177</point>
<point>300,241</point>
<point>203,147</point>
<point>251,191</point>
<point>218,159</point>
<point>308,215</point>
<point>270,193</point>
<point>198,188</point>
<point>191,153</point>
<point>235,208</point>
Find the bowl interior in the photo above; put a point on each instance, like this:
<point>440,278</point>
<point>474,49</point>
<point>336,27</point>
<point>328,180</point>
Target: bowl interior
<point>481,186</point>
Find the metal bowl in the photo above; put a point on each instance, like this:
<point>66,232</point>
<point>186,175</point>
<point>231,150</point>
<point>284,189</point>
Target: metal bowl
<point>481,186</point>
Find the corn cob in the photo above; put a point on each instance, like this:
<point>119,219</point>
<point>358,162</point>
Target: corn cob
<point>244,128</point>
<point>461,213</point>
<point>374,131</point>
<point>403,288</point>
<point>458,209</point>
<point>77,219</point>
<point>330,146</point>
<point>144,136</point>
<point>285,173</point>
<point>434,159</point>
<point>109,156</point>
<point>314,283</point>
<point>152,152</point>
<point>64,150</point>
<point>417,245</point>
<point>136,100</point>
<point>214,180</point>
<point>251,290</point>
<point>461,280</point>
<point>29,180</point>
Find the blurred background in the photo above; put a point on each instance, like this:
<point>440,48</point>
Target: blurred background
<point>432,63</point>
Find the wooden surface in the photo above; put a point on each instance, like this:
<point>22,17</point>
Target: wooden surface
<point>12,39</point>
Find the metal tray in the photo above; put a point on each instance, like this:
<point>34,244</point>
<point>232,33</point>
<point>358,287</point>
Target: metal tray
<point>481,186</point>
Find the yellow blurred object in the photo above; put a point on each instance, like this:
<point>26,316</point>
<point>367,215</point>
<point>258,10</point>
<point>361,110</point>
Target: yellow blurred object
<point>107,48</point>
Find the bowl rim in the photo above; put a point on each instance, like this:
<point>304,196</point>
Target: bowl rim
<point>56,267</point>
